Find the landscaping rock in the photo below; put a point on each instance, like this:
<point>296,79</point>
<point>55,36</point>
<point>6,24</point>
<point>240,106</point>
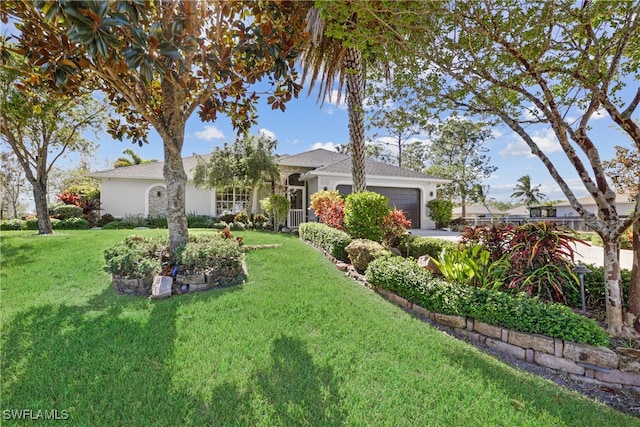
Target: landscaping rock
<point>451,321</point>
<point>426,262</point>
<point>629,359</point>
<point>488,330</point>
<point>599,356</point>
<point>128,286</point>
<point>536,342</point>
<point>558,363</point>
<point>161,287</point>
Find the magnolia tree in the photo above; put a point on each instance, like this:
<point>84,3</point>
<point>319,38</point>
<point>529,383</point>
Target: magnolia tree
<point>530,65</point>
<point>159,62</point>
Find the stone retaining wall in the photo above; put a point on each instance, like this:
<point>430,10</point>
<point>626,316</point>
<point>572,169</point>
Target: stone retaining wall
<point>598,365</point>
<point>582,362</point>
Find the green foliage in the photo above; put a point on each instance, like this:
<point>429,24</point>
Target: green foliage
<point>136,257</point>
<point>328,238</point>
<point>594,289</point>
<point>12,224</point>
<point>209,251</point>
<point>361,252</point>
<point>32,223</point>
<point>195,220</point>
<point>66,211</point>
<point>73,224</point>
<point>417,246</point>
<point>119,224</point>
<point>159,221</point>
<point>521,312</point>
<point>472,266</point>
<point>440,211</point>
<point>364,215</point>
<point>458,224</point>
<point>278,207</point>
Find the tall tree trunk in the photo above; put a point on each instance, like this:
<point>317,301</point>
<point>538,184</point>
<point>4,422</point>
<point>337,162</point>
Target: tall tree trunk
<point>613,290</point>
<point>176,181</point>
<point>355,94</point>
<point>634,287</point>
<point>42,208</point>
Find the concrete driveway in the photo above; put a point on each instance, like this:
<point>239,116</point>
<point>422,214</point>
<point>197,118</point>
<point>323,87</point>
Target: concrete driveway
<point>585,254</point>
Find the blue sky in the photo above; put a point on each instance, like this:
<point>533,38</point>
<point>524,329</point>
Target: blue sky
<point>306,125</point>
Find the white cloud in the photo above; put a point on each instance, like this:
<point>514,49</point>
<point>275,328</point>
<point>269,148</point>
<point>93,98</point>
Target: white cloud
<point>267,133</point>
<point>332,99</point>
<point>326,145</point>
<point>209,132</point>
<point>545,140</point>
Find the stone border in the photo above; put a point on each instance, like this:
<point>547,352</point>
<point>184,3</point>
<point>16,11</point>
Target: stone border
<point>596,365</point>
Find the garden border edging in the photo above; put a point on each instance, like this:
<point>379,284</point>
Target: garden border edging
<point>582,362</point>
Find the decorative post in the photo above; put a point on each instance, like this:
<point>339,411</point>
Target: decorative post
<point>581,270</point>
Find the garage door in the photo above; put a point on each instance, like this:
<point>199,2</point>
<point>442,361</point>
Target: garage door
<point>405,199</point>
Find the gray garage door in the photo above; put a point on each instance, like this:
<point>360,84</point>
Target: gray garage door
<point>406,199</point>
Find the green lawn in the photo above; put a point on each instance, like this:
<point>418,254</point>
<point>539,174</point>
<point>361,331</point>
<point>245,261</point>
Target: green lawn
<point>298,344</point>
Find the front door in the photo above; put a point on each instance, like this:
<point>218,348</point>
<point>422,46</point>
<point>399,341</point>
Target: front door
<point>297,200</point>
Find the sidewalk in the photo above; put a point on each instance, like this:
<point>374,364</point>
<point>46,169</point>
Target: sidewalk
<point>584,254</point>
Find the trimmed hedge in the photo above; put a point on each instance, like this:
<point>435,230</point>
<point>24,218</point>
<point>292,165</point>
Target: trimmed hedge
<point>521,313</point>
<point>330,239</point>
<point>417,246</point>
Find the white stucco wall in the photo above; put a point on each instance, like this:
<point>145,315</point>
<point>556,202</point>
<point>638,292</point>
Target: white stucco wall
<point>122,197</point>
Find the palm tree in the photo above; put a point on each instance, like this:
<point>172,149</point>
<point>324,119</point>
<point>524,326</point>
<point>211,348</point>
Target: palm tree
<point>133,159</point>
<point>527,194</point>
<point>326,59</point>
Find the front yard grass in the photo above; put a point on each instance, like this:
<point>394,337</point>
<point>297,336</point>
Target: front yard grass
<point>297,344</point>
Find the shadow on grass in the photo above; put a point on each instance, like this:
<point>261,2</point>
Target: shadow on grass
<point>14,255</point>
<point>110,362</point>
<point>291,390</point>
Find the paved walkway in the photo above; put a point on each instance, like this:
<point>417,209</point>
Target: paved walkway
<point>586,254</point>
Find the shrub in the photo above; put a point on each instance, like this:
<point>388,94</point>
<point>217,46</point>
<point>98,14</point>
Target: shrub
<point>594,288</point>
<point>361,252</point>
<point>66,211</point>
<point>330,239</point>
<point>472,266</point>
<point>241,217</point>
<point>394,227</point>
<point>260,221</point>
<point>32,224</point>
<point>105,219</point>
<point>118,225</point>
<point>458,224</point>
<point>12,224</point>
<point>160,221</point>
<point>136,257</point>
<point>495,238</point>
<point>364,215</point>
<point>328,206</point>
<point>440,211</point>
<point>69,197</point>
<point>417,246</point>
<point>228,218</point>
<point>521,312</point>
<point>74,224</point>
<point>209,251</point>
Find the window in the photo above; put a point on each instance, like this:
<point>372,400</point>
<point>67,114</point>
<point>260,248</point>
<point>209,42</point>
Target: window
<point>232,200</point>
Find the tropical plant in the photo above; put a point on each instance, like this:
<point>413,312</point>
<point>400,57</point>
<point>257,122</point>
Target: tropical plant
<point>132,159</point>
<point>328,57</point>
<point>329,207</point>
<point>472,266</point>
<point>527,194</point>
<point>394,227</point>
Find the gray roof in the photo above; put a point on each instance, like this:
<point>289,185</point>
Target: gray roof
<point>312,159</point>
<point>148,170</point>
<point>320,160</point>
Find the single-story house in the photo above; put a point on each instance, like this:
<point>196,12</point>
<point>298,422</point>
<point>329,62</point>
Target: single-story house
<point>140,189</point>
<point>478,211</point>
<point>624,206</point>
